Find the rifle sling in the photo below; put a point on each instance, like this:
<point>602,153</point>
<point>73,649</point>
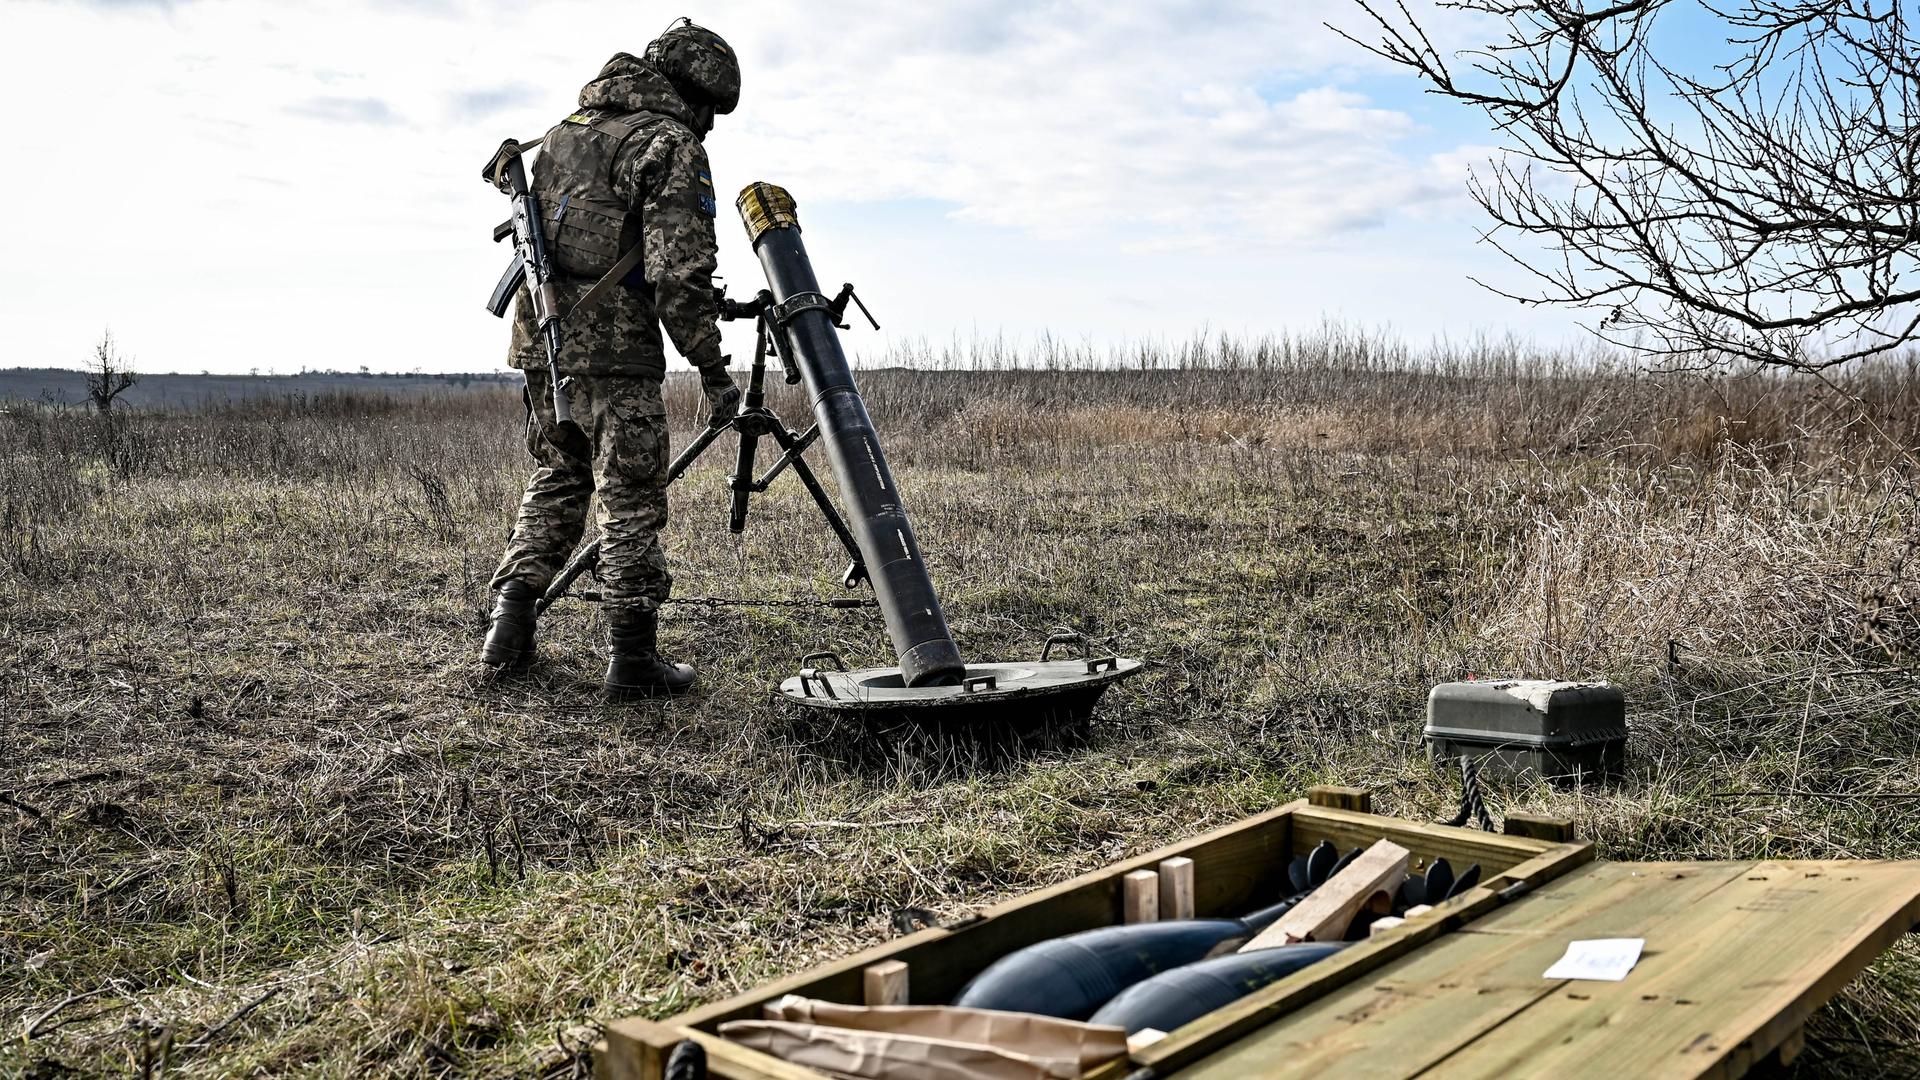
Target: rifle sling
<point>609,279</point>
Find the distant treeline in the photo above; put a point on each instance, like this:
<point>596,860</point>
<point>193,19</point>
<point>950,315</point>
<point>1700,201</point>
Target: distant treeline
<point>167,389</point>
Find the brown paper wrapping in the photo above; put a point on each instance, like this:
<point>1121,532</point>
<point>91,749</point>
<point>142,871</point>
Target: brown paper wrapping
<point>926,1042</point>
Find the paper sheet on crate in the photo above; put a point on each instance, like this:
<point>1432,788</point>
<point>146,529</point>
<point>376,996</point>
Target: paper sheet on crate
<point>926,1042</point>
<point>1598,960</point>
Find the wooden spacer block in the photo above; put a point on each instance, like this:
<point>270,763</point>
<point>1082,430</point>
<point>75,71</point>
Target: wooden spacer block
<point>885,983</point>
<point>1791,1046</point>
<point>1384,924</point>
<point>1176,888</point>
<point>1359,800</point>
<point>1329,910</point>
<point>1142,896</point>
<point>1557,830</point>
<point>1416,911</point>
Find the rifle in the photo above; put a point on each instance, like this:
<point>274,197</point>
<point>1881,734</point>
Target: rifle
<point>531,264</point>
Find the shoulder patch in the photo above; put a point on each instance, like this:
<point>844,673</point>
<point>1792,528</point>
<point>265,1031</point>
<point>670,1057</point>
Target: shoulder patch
<point>707,205</point>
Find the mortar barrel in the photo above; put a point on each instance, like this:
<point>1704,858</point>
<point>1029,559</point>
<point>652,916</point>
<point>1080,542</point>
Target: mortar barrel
<point>874,509</point>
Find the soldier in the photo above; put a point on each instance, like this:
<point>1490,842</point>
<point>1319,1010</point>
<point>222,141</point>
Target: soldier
<point>627,169</point>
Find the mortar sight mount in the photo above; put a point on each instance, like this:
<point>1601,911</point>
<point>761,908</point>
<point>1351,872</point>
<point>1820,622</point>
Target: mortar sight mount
<point>796,323</point>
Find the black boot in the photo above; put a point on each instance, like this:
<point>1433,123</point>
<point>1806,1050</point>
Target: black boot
<point>510,639</point>
<point>635,668</point>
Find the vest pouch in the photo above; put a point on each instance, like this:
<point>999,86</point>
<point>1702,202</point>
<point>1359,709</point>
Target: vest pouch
<point>587,239</point>
<point>588,225</point>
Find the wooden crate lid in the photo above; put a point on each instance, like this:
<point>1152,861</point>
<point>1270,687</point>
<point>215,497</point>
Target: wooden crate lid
<point>1737,955</point>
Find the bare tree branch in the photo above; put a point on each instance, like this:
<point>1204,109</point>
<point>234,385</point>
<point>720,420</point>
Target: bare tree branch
<point>1760,202</point>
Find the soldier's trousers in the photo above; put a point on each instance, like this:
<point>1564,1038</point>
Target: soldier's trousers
<point>625,462</point>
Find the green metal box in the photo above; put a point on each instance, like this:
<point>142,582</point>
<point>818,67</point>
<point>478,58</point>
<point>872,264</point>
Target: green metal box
<point>1554,730</point>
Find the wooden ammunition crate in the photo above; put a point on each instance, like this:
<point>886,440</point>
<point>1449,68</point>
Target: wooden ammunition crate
<point>1421,999</point>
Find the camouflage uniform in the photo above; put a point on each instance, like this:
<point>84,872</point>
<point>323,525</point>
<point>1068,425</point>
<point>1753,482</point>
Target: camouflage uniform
<point>628,168</point>
<point>625,462</point>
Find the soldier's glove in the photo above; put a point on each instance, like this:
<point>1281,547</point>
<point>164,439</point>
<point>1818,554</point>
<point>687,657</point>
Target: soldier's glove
<point>723,397</point>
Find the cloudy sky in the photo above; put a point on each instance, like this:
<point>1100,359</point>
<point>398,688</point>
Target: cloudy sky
<point>238,185</point>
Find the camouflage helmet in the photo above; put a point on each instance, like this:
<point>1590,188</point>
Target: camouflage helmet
<point>699,63</point>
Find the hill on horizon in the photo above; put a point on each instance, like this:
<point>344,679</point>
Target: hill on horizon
<point>65,386</point>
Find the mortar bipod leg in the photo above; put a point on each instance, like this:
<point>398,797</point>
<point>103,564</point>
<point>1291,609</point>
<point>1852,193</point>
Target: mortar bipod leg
<point>694,449</point>
<point>798,447</point>
<point>585,561</point>
<point>793,445</point>
<point>741,482</point>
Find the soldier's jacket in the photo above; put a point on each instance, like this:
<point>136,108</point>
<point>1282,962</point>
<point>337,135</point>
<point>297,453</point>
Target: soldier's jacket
<point>626,169</point>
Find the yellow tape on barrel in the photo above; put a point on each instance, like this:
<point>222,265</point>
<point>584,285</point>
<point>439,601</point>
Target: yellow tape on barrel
<point>765,206</point>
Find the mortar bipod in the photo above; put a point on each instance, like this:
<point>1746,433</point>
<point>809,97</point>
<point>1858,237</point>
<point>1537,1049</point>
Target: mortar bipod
<point>754,420</point>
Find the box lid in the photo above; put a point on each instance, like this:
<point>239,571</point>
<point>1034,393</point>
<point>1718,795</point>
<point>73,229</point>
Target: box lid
<point>1737,954</point>
<point>1527,712</point>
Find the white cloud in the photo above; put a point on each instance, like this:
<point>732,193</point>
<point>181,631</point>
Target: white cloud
<point>1079,118</point>
<point>234,185</point>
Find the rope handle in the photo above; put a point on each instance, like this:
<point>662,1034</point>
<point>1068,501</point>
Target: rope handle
<point>1473,806</point>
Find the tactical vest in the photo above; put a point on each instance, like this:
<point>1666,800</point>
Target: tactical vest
<point>588,226</point>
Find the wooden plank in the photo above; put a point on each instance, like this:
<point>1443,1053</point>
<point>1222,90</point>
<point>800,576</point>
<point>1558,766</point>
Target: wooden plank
<point>607,1067</point>
<point>1358,800</point>
<point>1144,1038</point>
<point>1461,847</point>
<point>1737,956</point>
<point>1326,913</point>
<point>1722,983</point>
<point>1262,1007</point>
<point>885,983</point>
<point>1790,1047</point>
<point>634,1049</point>
<point>1176,887</point>
<point>1141,897</point>
<point>1415,1013</point>
<point>1250,1013</point>
<point>736,1062</point>
<point>1236,868</point>
<point>1556,830</point>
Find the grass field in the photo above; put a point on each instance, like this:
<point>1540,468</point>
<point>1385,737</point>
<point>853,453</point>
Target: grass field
<point>263,814</point>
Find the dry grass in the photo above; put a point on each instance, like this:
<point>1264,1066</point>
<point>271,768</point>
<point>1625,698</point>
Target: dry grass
<point>265,816</point>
